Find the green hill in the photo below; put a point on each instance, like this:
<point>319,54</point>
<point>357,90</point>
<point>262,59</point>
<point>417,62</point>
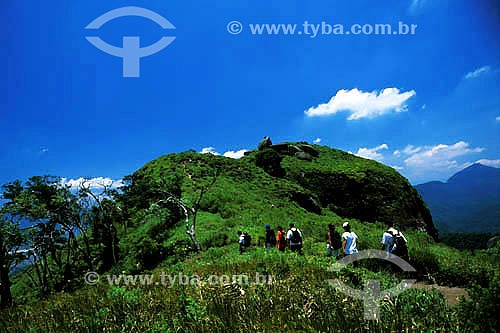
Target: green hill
<point>274,186</point>
<point>335,181</point>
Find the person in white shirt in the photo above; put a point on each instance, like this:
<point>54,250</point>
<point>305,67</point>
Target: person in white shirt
<point>294,237</point>
<point>388,243</point>
<point>350,239</point>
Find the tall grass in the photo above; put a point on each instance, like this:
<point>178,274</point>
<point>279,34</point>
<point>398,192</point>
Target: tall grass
<point>300,299</point>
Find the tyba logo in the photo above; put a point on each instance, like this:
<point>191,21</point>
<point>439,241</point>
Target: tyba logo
<point>131,52</point>
<point>372,296</point>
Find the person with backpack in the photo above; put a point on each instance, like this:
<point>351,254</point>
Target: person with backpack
<point>394,242</point>
<point>334,243</point>
<point>244,241</point>
<point>241,241</point>
<point>294,237</point>
<point>281,237</point>
<point>350,238</point>
<point>270,238</point>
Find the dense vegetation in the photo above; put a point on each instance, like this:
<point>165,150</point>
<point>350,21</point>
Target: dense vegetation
<point>467,240</point>
<point>141,232</point>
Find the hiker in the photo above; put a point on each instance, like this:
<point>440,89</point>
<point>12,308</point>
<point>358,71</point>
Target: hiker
<point>241,241</point>
<point>394,242</point>
<point>245,241</point>
<point>294,237</point>
<point>334,243</point>
<point>270,238</point>
<point>350,238</point>
<point>281,237</point>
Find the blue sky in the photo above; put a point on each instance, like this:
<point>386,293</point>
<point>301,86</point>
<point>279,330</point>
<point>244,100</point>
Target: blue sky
<point>427,104</point>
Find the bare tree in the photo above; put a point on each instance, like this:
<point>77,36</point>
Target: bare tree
<point>191,210</point>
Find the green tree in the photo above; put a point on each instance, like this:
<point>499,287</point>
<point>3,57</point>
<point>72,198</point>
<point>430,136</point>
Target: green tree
<point>37,204</point>
<point>141,191</point>
<point>12,240</point>
<point>104,215</point>
<point>58,223</point>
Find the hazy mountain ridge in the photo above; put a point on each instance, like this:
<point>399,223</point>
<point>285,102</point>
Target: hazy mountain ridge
<point>468,202</point>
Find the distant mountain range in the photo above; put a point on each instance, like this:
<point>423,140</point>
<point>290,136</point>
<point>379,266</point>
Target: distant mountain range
<point>468,202</point>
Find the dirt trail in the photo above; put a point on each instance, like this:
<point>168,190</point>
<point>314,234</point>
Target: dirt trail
<point>451,294</point>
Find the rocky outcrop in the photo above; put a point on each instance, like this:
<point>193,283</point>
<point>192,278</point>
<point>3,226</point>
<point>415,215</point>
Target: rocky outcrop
<point>300,150</point>
<point>307,202</point>
<point>265,143</point>
<point>492,242</point>
<point>310,150</point>
<point>280,147</point>
<point>303,156</point>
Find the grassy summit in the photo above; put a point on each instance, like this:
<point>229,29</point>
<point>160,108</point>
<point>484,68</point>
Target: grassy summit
<point>335,181</point>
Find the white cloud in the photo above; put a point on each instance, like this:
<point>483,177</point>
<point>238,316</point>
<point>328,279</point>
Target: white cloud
<point>497,118</point>
<point>92,183</point>
<point>439,156</point>
<point>209,150</point>
<point>397,167</point>
<point>478,72</point>
<point>410,150</point>
<point>318,140</point>
<point>235,154</point>
<point>424,106</point>
<point>466,165</point>
<point>438,162</point>
<point>490,163</point>
<point>231,154</point>
<point>416,4</point>
<point>372,153</point>
<point>363,104</point>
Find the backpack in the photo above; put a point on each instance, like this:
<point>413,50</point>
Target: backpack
<point>247,238</point>
<point>336,242</point>
<point>282,237</point>
<point>401,249</point>
<point>295,237</point>
<point>270,237</point>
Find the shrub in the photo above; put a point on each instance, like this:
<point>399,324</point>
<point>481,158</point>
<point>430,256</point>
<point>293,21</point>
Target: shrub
<point>215,240</point>
<point>480,313</point>
<point>424,261</point>
<point>270,161</point>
